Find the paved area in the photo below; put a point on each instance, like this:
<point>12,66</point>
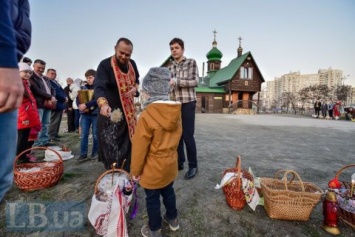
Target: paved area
<point>314,148</point>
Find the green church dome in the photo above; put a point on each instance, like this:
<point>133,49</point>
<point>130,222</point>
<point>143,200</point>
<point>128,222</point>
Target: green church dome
<point>214,54</point>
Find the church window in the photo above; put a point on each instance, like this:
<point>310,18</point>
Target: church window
<point>246,72</point>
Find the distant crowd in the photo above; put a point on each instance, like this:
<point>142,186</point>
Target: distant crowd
<point>332,110</point>
<point>40,113</point>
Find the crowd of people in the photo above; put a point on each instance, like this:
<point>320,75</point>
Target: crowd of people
<point>327,109</point>
<point>32,103</point>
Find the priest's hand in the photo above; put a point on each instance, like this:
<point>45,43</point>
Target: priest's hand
<point>105,110</point>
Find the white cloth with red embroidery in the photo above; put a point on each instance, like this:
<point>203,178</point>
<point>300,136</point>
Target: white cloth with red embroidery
<point>109,217</point>
<point>251,194</point>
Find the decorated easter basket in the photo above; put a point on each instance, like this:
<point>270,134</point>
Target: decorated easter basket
<point>111,201</point>
<point>109,178</point>
<point>233,190</point>
<point>346,202</point>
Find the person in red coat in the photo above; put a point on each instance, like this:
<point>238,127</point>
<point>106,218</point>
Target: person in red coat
<point>336,110</point>
<point>28,116</point>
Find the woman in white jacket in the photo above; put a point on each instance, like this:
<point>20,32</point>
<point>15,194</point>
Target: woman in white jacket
<point>73,94</point>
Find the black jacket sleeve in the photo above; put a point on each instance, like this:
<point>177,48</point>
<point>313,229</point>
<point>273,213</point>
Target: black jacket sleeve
<point>37,89</point>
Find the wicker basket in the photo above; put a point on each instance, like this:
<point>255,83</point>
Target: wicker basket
<point>233,191</point>
<point>348,217</point>
<point>47,176</point>
<point>289,200</point>
<point>112,172</point>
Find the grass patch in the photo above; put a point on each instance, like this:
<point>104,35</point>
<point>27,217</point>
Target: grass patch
<point>45,196</point>
<point>69,176</point>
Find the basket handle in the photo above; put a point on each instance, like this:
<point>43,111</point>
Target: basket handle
<point>282,172</point>
<point>294,174</point>
<point>112,171</point>
<point>345,167</point>
<point>37,148</point>
<point>239,169</point>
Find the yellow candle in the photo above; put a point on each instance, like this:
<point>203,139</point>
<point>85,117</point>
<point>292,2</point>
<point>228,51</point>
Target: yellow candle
<point>352,188</point>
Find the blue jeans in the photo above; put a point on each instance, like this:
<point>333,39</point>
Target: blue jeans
<point>8,141</point>
<point>43,138</point>
<point>153,205</point>
<point>86,121</point>
<point>76,119</point>
<point>187,138</point>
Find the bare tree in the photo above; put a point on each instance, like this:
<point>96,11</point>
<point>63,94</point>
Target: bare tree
<point>342,92</point>
<point>290,98</point>
<point>311,93</point>
<point>320,91</point>
<point>273,105</point>
<point>304,96</point>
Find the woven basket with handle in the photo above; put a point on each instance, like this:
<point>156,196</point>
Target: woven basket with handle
<point>233,190</point>
<point>348,217</point>
<point>112,172</point>
<point>48,173</point>
<point>288,199</point>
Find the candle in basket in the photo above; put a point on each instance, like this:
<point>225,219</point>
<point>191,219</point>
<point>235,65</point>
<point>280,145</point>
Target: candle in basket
<point>352,187</point>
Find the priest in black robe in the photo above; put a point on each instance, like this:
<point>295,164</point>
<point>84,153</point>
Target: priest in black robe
<point>116,85</point>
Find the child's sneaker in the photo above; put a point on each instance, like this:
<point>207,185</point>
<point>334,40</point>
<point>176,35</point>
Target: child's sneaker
<point>146,232</point>
<point>173,223</point>
<point>31,158</point>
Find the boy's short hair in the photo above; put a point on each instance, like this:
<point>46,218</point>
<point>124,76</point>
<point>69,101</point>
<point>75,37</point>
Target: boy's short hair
<point>177,41</point>
<point>90,72</point>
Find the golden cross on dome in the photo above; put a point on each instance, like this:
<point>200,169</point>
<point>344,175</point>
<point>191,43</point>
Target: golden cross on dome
<point>214,34</point>
<point>240,41</point>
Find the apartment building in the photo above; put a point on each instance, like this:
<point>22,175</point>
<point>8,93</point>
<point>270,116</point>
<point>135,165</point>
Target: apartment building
<point>295,81</point>
<point>330,77</point>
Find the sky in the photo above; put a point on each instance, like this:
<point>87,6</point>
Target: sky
<point>283,36</point>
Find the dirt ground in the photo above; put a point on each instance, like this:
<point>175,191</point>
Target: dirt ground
<point>316,149</point>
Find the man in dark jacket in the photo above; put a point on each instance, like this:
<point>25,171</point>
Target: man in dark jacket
<point>317,107</point>
<point>56,114</point>
<point>15,39</point>
<point>42,91</point>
